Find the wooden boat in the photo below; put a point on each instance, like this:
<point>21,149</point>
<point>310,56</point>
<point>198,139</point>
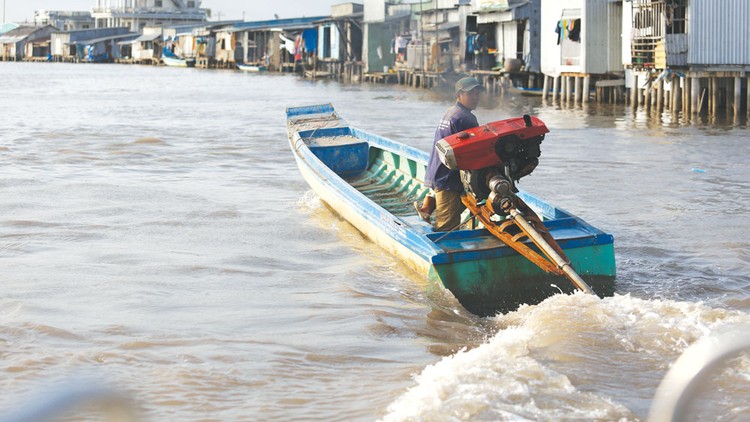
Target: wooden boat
<point>171,59</point>
<point>372,182</point>
<point>247,67</point>
<point>529,92</point>
<point>178,62</point>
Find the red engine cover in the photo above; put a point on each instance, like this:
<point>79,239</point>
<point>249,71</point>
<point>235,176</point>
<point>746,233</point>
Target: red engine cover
<point>474,149</point>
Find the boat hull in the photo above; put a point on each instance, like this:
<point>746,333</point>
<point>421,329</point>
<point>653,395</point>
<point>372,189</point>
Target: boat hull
<point>375,193</point>
<point>176,62</point>
<point>251,68</point>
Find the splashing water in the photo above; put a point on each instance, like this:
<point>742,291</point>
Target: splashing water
<point>546,361</point>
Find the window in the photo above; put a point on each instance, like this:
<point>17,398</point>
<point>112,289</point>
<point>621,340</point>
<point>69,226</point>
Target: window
<point>191,4</point>
<point>157,3</point>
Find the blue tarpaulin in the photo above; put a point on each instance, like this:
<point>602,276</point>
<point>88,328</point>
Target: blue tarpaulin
<point>311,39</point>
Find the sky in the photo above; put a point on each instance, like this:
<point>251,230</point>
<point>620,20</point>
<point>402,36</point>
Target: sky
<point>23,10</point>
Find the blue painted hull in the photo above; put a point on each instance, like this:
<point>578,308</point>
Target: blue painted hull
<point>371,181</point>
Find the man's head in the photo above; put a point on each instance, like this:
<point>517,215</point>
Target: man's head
<point>468,92</point>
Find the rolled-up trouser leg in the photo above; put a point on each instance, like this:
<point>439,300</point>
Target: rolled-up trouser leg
<point>448,210</point>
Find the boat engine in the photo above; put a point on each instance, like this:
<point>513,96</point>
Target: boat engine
<point>492,157</point>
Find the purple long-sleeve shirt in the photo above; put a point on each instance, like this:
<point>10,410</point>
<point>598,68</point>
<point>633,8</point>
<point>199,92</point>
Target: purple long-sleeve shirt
<point>438,176</point>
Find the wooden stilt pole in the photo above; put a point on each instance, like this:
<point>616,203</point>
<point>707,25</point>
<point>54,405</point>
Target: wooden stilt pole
<point>555,88</point>
<point>674,107</point>
<point>545,88</point>
<point>727,91</point>
<point>586,89</point>
<point>660,96</point>
<point>714,97</point>
<point>669,95</point>
<point>694,93</point>
<point>737,96</point>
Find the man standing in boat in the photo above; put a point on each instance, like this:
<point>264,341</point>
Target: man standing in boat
<point>446,183</point>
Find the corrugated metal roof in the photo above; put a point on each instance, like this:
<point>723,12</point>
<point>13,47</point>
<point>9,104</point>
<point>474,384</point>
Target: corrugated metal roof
<point>147,37</point>
<point>719,32</point>
<point>22,31</point>
<point>296,23</point>
<point>5,39</point>
<point>441,26</point>
<point>142,38</point>
<point>112,37</point>
<point>8,26</point>
<point>41,40</point>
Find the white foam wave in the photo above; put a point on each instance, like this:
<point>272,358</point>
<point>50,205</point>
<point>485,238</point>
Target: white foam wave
<point>570,357</point>
<point>310,201</point>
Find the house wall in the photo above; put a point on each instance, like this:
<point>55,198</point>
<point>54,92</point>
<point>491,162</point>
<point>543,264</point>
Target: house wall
<point>507,39</point>
<point>57,43</point>
<point>374,10</point>
<point>333,47</point>
<point>378,47</point>
<point>627,34</point>
<point>343,9</point>
<point>614,32</point>
<point>719,32</point>
<point>506,33</point>
<point>225,44</point>
<point>601,29</point>
<point>59,39</point>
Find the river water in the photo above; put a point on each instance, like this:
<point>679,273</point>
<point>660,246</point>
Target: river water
<point>156,237</point>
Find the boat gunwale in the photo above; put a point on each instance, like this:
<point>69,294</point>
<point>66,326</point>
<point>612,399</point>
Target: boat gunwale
<point>424,244</point>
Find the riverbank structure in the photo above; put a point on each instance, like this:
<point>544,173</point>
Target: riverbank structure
<point>686,56</point>
<point>64,20</point>
<point>25,41</point>
<point>689,56</point>
<point>137,14</point>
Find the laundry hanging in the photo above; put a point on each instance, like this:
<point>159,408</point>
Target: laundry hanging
<point>575,30</point>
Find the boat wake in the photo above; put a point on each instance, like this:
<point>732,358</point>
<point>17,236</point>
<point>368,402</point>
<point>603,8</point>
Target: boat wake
<point>546,360</point>
<point>309,201</point>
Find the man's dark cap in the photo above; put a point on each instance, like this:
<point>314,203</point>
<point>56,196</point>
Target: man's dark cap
<point>467,84</point>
